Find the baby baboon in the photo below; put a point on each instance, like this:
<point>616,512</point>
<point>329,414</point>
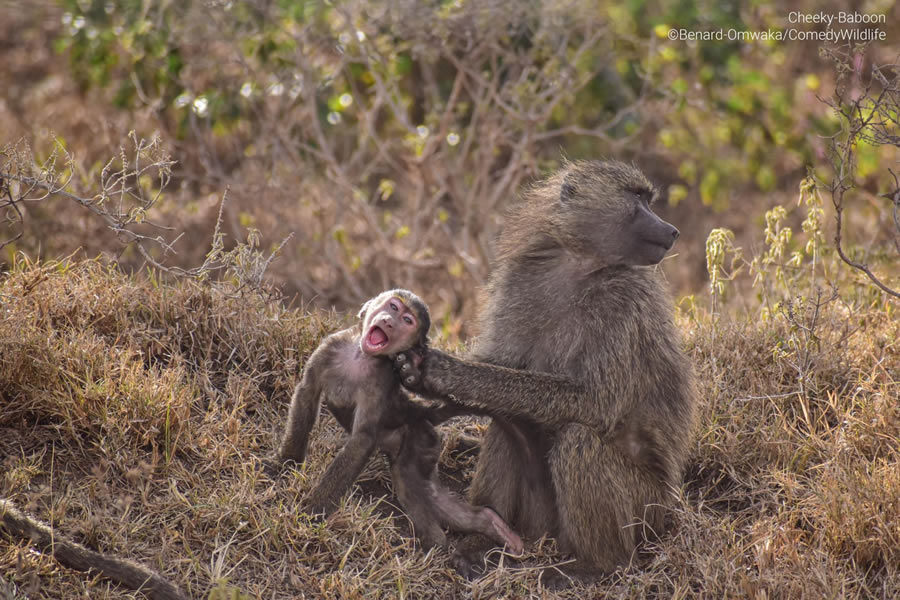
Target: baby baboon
<point>580,365</point>
<point>351,372</point>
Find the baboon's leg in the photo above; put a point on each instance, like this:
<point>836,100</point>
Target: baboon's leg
<point>413,450</point>
<point>512,478</point>
<point>461,516</point>
<point>496,481</point>
<point>499,484</point>
<point>416,498</point>
<point>606,505</point>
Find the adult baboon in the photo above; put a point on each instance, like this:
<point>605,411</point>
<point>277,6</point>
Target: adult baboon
<point>351,372</point>
<point>580,365</point>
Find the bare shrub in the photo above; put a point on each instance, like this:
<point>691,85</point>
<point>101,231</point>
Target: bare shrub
<point>868,104</point>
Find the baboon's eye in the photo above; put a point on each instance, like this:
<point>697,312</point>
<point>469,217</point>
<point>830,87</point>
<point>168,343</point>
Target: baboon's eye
<point>642,195</point>
<point>394,307</point>
<point>407,319</point>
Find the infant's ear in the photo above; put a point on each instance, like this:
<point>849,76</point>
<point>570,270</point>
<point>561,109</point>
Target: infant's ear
<point>362,311</point>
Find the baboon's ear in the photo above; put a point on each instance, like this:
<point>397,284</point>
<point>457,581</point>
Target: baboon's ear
<point>567,190</point>
<point>365,307</point>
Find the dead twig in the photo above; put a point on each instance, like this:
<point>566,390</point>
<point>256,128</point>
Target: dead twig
<point>73,555</point>
<point>868,113</point>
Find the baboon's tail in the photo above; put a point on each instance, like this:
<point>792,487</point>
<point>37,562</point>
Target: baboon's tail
<point>76,556</point>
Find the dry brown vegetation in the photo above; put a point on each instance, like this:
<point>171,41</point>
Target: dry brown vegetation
<point>136,413</point>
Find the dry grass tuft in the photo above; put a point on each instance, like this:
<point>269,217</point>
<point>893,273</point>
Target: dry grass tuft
<point>135,414</point>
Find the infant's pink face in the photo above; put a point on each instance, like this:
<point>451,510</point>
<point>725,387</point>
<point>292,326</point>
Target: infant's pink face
<point>389,327</point>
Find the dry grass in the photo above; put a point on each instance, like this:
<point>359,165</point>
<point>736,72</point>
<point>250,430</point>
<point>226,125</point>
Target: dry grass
<point>134,417</point>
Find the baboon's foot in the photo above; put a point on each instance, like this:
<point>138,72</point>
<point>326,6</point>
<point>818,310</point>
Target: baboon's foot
<point>272,466</point>
<point>559,578</point>
<point>472,558</point>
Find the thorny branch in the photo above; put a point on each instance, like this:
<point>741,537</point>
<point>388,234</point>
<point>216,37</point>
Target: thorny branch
<point>122,202</point>
<point>499,118</point>
<point>869,109</point>
<point>127,195</point>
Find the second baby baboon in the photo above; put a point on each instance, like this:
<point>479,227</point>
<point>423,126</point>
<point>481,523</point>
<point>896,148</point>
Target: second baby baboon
<point>580,366</point>
<point>351,373</point>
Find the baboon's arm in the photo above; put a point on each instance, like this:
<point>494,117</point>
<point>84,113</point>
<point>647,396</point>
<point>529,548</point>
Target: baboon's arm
<point>347,465</point>
<point>304,411</point>
<point>501,391</point>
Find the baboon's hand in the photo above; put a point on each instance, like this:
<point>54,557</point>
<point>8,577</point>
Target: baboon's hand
<point>317,506</point>
<point>427,372</point>
<point>409,365</point>
<point>316,513</point>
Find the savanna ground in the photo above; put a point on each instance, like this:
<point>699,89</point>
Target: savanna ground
<point>143,378</point>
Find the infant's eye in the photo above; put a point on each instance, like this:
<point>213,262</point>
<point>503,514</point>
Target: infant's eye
<point>408,320</point>
<point>393,306</point>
